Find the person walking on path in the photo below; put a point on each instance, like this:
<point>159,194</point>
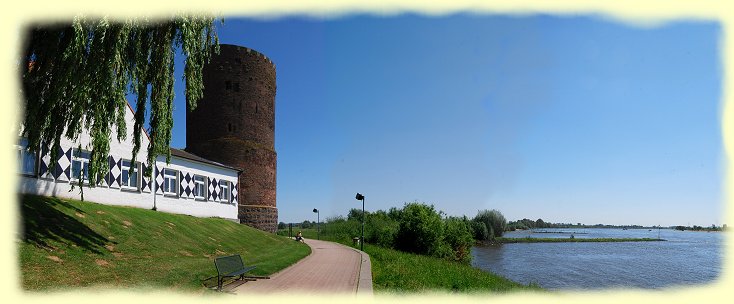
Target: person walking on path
<point>330,268</point>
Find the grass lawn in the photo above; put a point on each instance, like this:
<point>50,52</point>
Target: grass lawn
<point>67,243</point>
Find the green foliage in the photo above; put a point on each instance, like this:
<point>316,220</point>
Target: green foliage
<point>381,229</point>
<point>356,214</point>
<point>494,220</point>
<point>479,230</point>
<point>340,229</point>
<point>76,75</point>
<point>420,230</point>
<point>68,243</point>
<point>458,237</point>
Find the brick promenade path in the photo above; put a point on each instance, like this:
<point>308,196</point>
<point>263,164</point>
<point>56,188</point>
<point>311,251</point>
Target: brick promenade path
<point>330,268</point>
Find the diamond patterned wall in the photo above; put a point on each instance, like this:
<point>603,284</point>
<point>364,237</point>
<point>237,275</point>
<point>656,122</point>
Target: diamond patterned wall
<point>186,185</point>
<point>61,171</point>
<point>145,183</point>
<point>44,164</point>
<point>115,172</point>
<point>158,180</point>
<point>233,197</point>
<point>213,193</point>
<point>62,166</point>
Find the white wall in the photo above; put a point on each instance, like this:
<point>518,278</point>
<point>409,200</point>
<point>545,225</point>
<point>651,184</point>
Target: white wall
<point>189,205</point>
<point>113,195</point>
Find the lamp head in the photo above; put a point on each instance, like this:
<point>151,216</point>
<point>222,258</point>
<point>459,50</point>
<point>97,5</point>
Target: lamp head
<point>315,210</point>
<point>359,196</point>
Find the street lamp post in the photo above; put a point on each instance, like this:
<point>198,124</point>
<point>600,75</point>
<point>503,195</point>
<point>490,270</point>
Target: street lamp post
<point>361,239</point>
<point>318,224</point>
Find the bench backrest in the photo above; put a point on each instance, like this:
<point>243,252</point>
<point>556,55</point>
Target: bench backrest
<point>228,264</point>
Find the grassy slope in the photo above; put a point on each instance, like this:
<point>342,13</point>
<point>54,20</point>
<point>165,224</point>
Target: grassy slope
<point>70,243</point>
<point>396,271</point>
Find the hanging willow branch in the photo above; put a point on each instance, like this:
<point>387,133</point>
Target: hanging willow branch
<point>78,75</point>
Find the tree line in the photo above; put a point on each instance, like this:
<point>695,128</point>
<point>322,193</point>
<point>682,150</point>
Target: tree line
<point>416,228</point>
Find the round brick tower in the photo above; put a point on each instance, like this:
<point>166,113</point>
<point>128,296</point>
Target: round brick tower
<point>234,124</point>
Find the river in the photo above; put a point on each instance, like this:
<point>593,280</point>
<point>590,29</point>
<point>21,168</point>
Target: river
<point>686,258</point>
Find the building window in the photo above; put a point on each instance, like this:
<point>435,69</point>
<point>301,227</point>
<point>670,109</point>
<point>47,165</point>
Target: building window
<point>199,187</point>
<point>224,191</point>
<point>129,180</point>
<point>170,181</point>
<point>80,165</point>
<point>26,159</point>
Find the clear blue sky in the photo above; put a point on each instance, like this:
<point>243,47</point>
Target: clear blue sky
<point>568,119</point>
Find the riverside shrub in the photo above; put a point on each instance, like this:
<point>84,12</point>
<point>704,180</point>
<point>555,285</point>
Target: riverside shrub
<point>458,238</point>
<point>420,230</point>
<point>494,220</point>
<point>479,230</point>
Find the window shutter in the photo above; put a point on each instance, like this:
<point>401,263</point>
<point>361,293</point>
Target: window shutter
<point>62,166</point>
<point>145,184</point>
<point>233,196</point>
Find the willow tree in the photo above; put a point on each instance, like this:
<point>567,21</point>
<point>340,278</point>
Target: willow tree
<point>78,75</point>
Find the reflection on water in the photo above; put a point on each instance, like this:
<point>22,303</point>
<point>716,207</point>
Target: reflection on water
<point>685,258</point>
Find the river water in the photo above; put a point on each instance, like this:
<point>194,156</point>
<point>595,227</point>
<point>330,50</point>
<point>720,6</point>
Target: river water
<point>686,258</point>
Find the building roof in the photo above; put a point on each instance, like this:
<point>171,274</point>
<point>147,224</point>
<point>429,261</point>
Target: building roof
<point>183,154</point>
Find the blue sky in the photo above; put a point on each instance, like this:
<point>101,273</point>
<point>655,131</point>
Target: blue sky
<point>568,119</point>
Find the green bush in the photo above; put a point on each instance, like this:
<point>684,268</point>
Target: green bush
<point>494,220</point>
<point>420,229</point>
<point>356,215</point>
<point>479,231</point>
<point>458,238</point>
<point>340,229</point>
<point>381,229</point>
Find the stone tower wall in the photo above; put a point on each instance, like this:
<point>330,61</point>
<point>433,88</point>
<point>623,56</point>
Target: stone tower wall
<point>234,124</point>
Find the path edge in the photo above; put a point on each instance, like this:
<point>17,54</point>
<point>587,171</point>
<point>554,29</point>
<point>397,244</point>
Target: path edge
<point>364,282</point>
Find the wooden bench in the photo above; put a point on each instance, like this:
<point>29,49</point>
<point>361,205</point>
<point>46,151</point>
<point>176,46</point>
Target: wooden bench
<point>229,267</point>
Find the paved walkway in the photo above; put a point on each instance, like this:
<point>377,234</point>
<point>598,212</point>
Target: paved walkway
<point>330,268</point>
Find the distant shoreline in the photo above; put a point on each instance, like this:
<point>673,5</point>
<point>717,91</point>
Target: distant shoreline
<point>504,240</point>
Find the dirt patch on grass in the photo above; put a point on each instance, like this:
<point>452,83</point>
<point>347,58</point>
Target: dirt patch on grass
<point>186,253</point>
<point>171,224</point>
<point>54,258</point>
<point>117,254</point>
<point>80,215</point>
<point>219,252</point>
<point>102,263</point>
<point>110,247</point>
<point>100,212</point>
<point>110,237</point>
<point>213,239</point>
<point>127,223</point>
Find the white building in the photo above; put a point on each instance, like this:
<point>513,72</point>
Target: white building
<point>187,185</point>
